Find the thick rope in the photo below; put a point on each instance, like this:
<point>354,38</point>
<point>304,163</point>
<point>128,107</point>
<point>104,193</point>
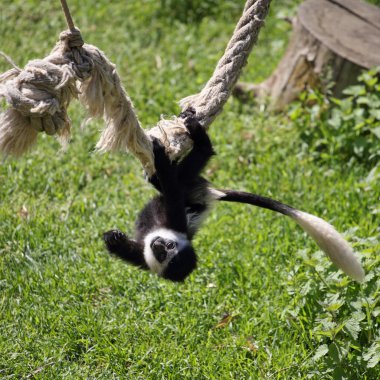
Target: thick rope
<point>69,19</point>
<point>38,97</point>
<point>39,94</point>
<point>104,96</point>
<point>210,101</point>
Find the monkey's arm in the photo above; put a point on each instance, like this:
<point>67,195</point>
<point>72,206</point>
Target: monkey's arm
<point>127,249</point>
<point>192,165</point>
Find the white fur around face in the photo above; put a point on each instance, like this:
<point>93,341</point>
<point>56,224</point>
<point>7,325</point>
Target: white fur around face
<point>154,265</point>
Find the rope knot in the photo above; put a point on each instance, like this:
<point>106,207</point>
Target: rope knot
<point>72,47</point>
<point>72,38</point>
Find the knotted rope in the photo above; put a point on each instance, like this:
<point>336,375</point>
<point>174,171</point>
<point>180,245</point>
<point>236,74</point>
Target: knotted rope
<point>40,94</point>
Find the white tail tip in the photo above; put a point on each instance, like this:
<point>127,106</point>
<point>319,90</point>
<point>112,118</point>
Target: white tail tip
<point>331,242</point>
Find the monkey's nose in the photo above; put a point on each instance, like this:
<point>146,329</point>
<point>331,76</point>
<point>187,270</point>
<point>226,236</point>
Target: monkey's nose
<point>158,243</point>
<point>159,249</point>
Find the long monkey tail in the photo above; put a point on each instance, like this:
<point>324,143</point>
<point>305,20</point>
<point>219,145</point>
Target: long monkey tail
<point>324,234</point>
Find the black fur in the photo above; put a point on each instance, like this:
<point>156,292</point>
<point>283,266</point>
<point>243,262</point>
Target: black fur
<point>183,193</point>
<point>184,197</point>
<point>181,265</point>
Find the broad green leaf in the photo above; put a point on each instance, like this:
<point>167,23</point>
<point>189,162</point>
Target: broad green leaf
<point>321,351</point>
<point>376,131</point>
<point>375,114</point>
<point>353,327</point>
<point>355,90</point>
<point>372,356</point>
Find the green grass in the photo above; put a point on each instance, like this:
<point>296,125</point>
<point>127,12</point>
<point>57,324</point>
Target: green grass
<point>69,311</point>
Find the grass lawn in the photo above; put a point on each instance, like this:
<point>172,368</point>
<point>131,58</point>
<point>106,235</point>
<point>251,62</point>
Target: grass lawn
<point>69,311</point>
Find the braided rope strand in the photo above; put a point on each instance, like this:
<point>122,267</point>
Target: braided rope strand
<point>210,101</point>
<point>69,19</point>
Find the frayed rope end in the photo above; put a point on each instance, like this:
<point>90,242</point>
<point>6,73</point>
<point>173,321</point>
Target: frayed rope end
<point>16,136</point>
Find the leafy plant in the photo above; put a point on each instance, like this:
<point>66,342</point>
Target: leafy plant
<point>347,128</point>
<point>345,315</point>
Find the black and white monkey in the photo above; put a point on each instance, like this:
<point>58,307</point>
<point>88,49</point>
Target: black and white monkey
<point>168,223</point>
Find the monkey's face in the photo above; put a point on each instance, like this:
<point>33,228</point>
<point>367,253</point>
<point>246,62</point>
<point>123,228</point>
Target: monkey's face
<point>163,248</point>
<point>169,254</point>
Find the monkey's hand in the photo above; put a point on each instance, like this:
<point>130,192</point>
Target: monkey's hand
<point>127,249</point>
<point>114,239</point>
<point>196,131</point>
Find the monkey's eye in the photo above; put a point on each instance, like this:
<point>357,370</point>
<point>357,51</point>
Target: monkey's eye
<point>170,245</point>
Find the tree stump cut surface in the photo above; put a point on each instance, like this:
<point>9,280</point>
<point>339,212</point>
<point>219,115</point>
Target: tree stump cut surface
<point>332,40</point>
<point>350,28</point>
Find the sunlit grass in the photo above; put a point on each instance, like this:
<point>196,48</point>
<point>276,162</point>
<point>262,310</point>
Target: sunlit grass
<point>69,311</point>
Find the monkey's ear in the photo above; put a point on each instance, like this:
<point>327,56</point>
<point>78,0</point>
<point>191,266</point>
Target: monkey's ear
<point>117,243</point>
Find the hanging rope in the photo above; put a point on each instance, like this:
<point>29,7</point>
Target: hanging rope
<point>39,95</point>
<point>69,19</point>
<point>210,101</point>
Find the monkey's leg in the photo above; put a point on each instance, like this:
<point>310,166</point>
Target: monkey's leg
<point>192,165</point>
<point>171,189</point>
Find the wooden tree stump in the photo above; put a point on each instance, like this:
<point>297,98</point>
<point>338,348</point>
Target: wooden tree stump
<point>332,41</point>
